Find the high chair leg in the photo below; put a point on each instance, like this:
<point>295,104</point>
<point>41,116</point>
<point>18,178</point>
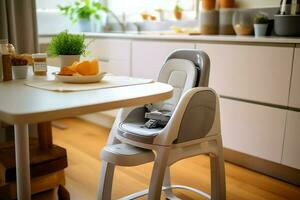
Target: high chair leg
<point>167,183</point>
<point>218,185</point>
<point>214,177</point>
<point>158,172</point>
<point>105,181</point>
<point>221,171</point>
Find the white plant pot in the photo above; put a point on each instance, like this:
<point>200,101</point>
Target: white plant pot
<point>260,30</point>
<point>84,25</point>
<point>67,60</point>
<point>20,72</point>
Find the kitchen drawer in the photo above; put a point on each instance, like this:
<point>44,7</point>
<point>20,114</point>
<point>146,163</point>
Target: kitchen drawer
<point>258,73</point>
<point>295,86</point>
<point>291,146</point>
<point>149,56</point>
<point>253,129</point>
<point>109,49</point>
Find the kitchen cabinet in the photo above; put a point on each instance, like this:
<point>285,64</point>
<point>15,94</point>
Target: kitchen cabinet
<point>292,140</point>
<point>258,73</point>
<point>253,129</point>
<point>295,84</point>
<point>113,55</point>
<point>149,56</point>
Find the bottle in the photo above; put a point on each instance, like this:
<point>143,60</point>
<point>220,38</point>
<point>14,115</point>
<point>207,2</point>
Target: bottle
<point>3,50</point>
<point>8,50</point>
<point>6,60</point>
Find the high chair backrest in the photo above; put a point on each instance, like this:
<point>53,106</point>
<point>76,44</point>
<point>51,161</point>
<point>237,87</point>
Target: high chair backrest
<point>200,60</point>
<point>182,75</point>
<point>184,69</point>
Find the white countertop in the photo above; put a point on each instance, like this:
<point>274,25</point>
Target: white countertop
<point>186,37</point>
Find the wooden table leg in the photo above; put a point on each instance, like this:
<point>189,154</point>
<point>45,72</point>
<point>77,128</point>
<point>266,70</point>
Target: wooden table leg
<point>45,135</point>
<point>22,161</point>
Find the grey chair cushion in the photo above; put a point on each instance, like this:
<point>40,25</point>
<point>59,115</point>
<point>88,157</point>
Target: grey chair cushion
<point>133,127</point>
<point>138,132</point>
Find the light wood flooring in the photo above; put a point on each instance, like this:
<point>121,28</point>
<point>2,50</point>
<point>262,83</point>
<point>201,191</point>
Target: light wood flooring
<point>84,141</point>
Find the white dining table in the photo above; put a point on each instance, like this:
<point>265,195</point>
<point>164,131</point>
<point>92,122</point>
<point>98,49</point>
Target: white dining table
<point>21,105</point>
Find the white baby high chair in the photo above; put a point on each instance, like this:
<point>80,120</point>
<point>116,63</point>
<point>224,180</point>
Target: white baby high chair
<point>193,129</point>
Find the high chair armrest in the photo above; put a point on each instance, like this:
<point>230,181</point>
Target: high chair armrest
<point>170,132</point>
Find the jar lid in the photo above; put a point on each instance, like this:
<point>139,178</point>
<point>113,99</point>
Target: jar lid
<point>39,55</point>
<point>3,41</point>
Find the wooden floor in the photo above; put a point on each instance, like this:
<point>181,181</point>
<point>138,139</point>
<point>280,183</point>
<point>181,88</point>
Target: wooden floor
<point>84,141</point>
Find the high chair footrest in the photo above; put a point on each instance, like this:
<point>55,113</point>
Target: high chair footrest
<point>145,192</point>
<point>126,155</point>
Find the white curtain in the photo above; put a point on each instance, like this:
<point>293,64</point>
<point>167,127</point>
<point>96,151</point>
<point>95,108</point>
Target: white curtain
<point>18,24</point>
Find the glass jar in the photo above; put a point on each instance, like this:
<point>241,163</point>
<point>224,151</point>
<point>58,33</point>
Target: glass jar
<point>40,64</point>
<point>242,22</point>
<point>209,22</point>
<point>225,24</point>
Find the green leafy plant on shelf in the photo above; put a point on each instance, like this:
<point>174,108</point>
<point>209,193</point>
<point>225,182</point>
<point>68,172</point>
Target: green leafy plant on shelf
<point>82,9</point>
<point>178,11</point>
<point>261,19</point>
<point>67,44</point>
<point>178,8</point>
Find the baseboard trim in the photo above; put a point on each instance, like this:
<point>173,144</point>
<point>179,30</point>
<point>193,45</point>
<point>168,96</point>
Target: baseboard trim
<point>275,170</point>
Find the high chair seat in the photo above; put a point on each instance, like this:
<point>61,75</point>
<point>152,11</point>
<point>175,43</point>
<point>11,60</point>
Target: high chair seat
<point>138,132</point>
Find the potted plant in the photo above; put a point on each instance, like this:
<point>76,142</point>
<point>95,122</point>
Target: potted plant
<point>68,47</point>
<point>178,11</point>
<point>19,67</point>
<point>81,11</point>
<point>260,25</point>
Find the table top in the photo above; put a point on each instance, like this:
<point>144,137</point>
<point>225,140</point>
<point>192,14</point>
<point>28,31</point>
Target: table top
<point>23,104</point>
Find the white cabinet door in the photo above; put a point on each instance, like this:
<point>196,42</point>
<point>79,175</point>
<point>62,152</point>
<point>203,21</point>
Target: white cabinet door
<point>291,148</point>
<point>109,48</point>
<point>113,55</point>
<point>116,67</point>
<point>259,73</point>
<point>149,56</point>
<point>295,86</point>
<point>253,129</point>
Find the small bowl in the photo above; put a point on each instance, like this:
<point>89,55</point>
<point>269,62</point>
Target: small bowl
<point>20,72</point>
